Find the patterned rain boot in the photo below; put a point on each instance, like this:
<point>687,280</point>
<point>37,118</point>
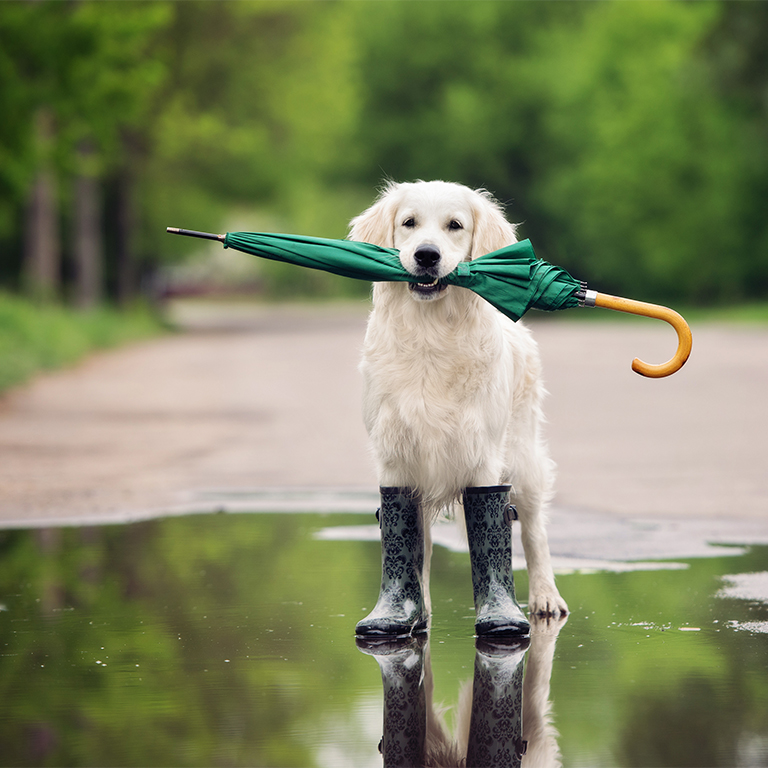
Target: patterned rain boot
<point>402,664</point>
<point>401,608</point>
<point>496,723</point>
<point>489,517</point>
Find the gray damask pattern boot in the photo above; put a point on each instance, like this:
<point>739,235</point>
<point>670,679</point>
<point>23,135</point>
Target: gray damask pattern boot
<point>401,608</point>
<point>489,517</point>
<point>496,724</point>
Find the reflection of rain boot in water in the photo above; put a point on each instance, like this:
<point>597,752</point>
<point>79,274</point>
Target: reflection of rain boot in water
<point>405,713</point>
<point>496,724</point>
<point>401,607</point>
<point>489,518</point>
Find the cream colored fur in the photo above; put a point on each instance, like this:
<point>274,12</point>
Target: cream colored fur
<point>452,388</point>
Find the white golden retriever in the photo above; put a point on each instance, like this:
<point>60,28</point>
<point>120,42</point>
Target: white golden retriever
<point>452,388</point>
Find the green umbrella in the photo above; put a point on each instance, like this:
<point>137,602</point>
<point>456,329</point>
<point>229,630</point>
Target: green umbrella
<point>512,279</point>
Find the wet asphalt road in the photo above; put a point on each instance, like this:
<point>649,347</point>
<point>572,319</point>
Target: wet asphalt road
<point>253,399</point>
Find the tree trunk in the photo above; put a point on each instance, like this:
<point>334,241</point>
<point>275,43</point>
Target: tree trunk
<point>88,246</point>
<point>42,247</point>
<point>125,250</point>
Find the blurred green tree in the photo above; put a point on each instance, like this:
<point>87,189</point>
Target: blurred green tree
<point>448,92</point>
<point>651,174</point>
<point>602,124</point>
<point>628,139</point>
<point>74,78</point>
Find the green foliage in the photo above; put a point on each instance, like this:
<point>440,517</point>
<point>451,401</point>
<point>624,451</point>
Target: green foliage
<point>649,192</point>
<point>89,64</point>
<point>629,139</point>
<point>36,337</point>
<point>446,93</point>
<point>260,113</point>
<point>602,124</point>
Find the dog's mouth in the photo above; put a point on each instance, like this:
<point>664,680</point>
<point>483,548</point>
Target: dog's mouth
<point>427,290</point>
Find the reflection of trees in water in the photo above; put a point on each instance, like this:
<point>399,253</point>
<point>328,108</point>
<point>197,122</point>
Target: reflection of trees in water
<point>219,640</point>
<point>183,641</point>
<point>503,718</point>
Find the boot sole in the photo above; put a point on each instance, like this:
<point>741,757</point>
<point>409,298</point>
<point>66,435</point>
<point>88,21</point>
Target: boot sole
<point>504,630</point>
<point>391,630</point>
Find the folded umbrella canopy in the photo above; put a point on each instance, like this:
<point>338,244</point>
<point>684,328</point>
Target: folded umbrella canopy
<point>512,279</point>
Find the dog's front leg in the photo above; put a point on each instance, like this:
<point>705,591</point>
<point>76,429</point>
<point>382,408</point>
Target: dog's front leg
<point>543,597</point>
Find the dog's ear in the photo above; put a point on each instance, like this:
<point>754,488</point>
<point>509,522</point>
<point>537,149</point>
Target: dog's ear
<point>492,230</point>
<point>376,225</point>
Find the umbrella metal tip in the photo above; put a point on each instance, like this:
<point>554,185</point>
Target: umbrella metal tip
<point>173,230</point>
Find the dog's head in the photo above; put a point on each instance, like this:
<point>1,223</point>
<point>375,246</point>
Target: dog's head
<point>435,225</point>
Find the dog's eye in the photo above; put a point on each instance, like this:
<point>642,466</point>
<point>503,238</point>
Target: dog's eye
<point>410,223</point>
<point>455,224</point>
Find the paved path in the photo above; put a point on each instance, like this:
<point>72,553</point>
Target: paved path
<point>270,398</point>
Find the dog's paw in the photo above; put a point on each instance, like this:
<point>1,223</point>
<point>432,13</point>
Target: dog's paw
<point>547,602</point>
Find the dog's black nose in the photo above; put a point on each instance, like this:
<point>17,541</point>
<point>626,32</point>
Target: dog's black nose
<point>426,256</point>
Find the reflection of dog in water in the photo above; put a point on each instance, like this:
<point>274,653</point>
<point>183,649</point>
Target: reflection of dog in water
<point>452,404</point>
<point>503,717</point>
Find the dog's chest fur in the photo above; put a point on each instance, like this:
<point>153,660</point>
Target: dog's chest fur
<point>437,384</point>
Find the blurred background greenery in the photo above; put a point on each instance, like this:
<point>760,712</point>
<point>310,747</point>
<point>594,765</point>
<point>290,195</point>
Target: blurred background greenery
<point>630,140</point>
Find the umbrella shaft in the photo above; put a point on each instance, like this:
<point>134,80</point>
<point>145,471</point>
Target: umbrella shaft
<point>194,233</point>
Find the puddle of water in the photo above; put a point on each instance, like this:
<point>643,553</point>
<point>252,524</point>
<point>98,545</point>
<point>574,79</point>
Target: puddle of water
<point>228,640</point>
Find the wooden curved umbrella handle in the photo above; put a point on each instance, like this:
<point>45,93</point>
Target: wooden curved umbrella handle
<point>684,337</point>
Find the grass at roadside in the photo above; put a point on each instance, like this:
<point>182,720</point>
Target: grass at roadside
<point>37,337</point>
